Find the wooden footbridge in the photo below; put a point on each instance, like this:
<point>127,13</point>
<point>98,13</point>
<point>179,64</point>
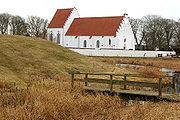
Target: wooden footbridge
<point>125,84</point>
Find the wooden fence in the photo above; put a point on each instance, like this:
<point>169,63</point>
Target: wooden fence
<point>124,82</point>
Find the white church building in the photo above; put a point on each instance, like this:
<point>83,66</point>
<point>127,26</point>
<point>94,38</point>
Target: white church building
<point>96,36</point>
<point>69,30</point>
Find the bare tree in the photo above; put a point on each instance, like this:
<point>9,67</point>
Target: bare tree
<point>44,29</point>
<point>138,30</point>
<point>37,26</point>
<point>177,33</point>
<point>154,32</point>
<point>18,25</point>
<point>169,30</point>
<point>4,22</point>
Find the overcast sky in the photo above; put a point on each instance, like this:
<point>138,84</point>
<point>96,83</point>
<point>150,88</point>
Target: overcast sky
<point>92,8</point>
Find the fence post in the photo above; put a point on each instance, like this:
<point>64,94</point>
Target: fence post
<point>72,80</point>
<point>160,87</point>
<point>111,83</point>
<point>174,83</point>
<point>125,79</point>
<point>86,76</point>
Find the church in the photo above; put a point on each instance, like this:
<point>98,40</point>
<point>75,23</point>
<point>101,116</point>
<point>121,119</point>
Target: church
<point>70,30</point>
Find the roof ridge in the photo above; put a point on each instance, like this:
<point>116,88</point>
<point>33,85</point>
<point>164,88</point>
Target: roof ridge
<point>65,8</point>
<point>101,17</point>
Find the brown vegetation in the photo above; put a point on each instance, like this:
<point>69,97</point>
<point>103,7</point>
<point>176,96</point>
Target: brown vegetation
<point>171,63</point>
<point>58,101</point>
<point>34,84</point>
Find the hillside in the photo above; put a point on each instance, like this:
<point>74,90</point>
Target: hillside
<point>23,57</point>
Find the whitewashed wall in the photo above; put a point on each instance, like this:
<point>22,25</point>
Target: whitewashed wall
<point>125,32</point>
<point>55,32</point>
<point>78,42</point>
<point>122,53</point>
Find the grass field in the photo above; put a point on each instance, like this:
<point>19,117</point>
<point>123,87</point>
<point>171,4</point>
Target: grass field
<point>35,84</point>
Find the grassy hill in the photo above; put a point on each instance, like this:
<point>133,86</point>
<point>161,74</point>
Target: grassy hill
<point>23,57</point>
<point>40,70</point>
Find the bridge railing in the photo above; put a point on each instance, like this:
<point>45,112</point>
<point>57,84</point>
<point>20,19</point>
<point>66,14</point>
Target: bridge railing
<point>124,82</point>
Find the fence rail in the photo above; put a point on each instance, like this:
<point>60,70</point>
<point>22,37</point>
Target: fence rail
<point>124,82</point>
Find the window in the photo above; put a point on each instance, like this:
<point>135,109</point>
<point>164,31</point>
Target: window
<point>97,44</point>
<point>51,36</point>
<point>85,44</point>
<point>125,40</point>
<point>58,38</point>
<point>109,41</point>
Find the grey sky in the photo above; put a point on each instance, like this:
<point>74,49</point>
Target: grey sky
<point>88,8</point>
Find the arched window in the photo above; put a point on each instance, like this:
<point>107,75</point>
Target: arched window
<point>97,44</point>
<point>85,44</point>
<point>58,38</point>
<point>51,36</point>
<point>109,41</point>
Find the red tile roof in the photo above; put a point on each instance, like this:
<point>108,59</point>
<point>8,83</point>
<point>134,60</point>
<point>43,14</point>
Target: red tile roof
<point>95,26</point>
<point>60,18</point>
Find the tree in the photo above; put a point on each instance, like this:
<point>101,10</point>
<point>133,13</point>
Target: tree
<point>177,33</point>
<point>37,26</point>
<point>44,29</point>
<point>154,34</point>
<point>18,25</point>
<point>169,30</point>
<point>138,30</point>
<point>4,22</point>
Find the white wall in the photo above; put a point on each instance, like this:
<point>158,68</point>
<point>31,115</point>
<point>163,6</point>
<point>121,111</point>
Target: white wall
<point>71,41</point>
<point>122,53</point>
<point>55,31</point>
<point>125,32</point>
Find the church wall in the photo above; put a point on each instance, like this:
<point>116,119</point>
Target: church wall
<point>125,36</point>
<point>91,42</point>
<point>55,31</point>
<point>71,41</point>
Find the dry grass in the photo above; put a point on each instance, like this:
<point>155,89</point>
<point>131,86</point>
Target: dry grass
<point>42,86</point>
<point>22,58</point>
<point>60,102</point>
<point>151,65</point>
<point>171,63</point>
